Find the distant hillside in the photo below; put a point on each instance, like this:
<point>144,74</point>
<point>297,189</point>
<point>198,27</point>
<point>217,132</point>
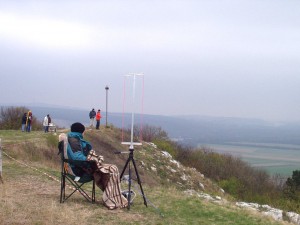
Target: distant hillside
<point>190,130</point>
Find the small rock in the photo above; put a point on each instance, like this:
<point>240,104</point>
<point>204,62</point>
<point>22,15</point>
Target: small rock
<point>294,217</point>
<point>153,168</point>
<point>218,198</point>
<point>166,154</point>
<point>175,162</point>
<point>201,186</point>
<point>183,177</point>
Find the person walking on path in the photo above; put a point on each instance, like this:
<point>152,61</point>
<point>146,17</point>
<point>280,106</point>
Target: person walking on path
<point>98,117</point>
<point>92,115</point>
<point>24,118</point>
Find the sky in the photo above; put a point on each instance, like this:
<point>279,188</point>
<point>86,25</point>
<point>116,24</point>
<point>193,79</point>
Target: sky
<point>228,58</point>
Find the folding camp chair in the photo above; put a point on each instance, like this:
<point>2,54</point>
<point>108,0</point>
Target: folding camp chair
<point>67,174</point>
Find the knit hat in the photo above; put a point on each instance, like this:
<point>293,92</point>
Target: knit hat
<point>77,127</point>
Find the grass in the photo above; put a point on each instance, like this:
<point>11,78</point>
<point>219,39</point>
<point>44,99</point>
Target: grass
<point>30,196</point>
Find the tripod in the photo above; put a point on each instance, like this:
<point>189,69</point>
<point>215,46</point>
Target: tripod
<point>128,163</point>
<point>131,148</point>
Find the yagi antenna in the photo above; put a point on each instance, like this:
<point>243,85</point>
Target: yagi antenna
<point>131,143</point>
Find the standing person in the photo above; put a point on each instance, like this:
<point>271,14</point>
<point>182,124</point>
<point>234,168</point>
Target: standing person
<point>92,117</point>
<point>28,121</point>
<point>24,118</point>
<point>98,117</point>
<point>50,123</point>
<point>49,120</point>
<point>46,124</point>
<point>106,175</point>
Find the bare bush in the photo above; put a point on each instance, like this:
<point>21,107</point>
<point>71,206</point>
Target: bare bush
<point>149,133</point>
<point>236,176</point>
<point>279,181</point>
<point>11,118</point>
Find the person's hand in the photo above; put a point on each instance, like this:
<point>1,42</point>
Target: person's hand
<point>100,158</point>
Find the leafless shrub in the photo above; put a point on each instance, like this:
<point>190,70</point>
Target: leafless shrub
<point>279,181</point>
<point>147,133</point>
<point>248,182</point>
<point>11,118</point>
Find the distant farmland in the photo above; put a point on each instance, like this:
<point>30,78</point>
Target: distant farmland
<point>274,158</point>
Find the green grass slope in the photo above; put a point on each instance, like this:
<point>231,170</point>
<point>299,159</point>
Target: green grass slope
<point>31,188</point>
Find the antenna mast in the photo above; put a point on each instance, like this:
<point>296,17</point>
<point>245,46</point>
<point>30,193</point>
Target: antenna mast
<point>131,143</point>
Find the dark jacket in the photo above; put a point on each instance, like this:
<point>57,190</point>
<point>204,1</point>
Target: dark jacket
<point>92,114</point>
<point>78,149</point>
<point>24,118</point>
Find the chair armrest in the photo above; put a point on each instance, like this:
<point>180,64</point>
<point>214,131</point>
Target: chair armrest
<point>79,163</point>
<point>87,166</point>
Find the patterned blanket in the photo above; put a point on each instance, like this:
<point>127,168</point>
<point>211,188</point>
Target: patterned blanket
<point>107,178</point>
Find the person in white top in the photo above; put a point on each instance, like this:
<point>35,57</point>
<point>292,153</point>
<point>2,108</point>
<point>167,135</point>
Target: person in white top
<point>45,124</point>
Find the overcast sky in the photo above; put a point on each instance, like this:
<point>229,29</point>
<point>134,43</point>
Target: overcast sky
<point>231,58</point>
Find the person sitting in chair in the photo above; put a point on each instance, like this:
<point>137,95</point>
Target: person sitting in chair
<point>106,175</point>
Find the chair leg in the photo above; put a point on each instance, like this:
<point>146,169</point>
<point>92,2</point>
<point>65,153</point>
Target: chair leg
<point>77,187</point>
<point>93,193</point>
<point>62,188</point>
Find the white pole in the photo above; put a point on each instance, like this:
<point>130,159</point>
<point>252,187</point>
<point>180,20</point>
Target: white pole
<point>106,88</point>
<point>132,113</point>
<point>133,108</point>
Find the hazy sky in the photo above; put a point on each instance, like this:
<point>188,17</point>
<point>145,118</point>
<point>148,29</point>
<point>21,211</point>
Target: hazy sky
<point>209,57</point>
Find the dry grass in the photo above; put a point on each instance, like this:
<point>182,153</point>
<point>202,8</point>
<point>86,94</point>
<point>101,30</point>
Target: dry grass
<point>30,197</point>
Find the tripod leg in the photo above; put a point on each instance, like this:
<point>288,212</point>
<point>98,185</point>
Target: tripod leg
<point>139,182</point>
<point>128,160</point>
<point>129,179</point>
<point>129,187</point>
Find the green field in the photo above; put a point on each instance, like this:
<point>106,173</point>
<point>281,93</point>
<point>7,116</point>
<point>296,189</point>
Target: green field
<point>274,158</point>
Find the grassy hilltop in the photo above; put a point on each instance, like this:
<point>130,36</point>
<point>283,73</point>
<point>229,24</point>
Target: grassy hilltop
<point>31,188</point>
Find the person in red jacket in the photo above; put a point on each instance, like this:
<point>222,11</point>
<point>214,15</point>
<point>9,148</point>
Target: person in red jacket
<point>98,117</point>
